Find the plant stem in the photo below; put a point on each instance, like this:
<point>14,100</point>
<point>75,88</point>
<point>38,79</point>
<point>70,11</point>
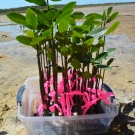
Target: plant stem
<point>62,61</point>
<point>97,106</point>
<point>74,72</point>
<point>44,60</point>
<point>55,80</point>
<point>103,76</point>
<point>65,76</point>
<point>52,44</point>
<point>41,82</point>
<point>48,4</point>
<point>73,78</point>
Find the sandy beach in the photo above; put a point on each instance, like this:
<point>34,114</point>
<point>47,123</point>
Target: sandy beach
<point>18,62</point>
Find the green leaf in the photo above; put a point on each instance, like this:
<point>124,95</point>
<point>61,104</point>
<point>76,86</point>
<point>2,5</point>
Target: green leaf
<point>78,15</point>
<point>96,23</point>
<point>79,73</point>
<point>70,20</point>
<point>25,31</point>
<point>50,14</point>
<point>110,61</point>
<point>112,17</point>
<point>78,56</point>
<point>89,21</point>
<point>86,74</point>
<point>109,10</point>
<point>112,28</point>
<point>83,58</point>
<point>17,18</point>
<point>50,56</point>
<point>103,15</point>
<point>80,28</point>
<point>47,32</point>
<point>110,51</point>
<point>68,6</point>
<point>51,6</point>
<point>89,41</point>
<point>95,48</point>
<point>95,15</point>
<point>59,12</point>
<point>37,2</point>
<point>37,40</point>
<point>30,34</point>
<point>75,40</point>
<point>99,76</point>
<point>100,57</point>
<point>49,49</point>
<point>31,18</point>
<point>59,69</point>
<point>63,16</point>
<point>77,34</point>
<point>69,60</point>
<point>59,38</point>
<point>105,67</point>
<point>64,50</point>
<point>75,63</point>
<point>63,26</point>
<point>24,40</point>
<point>42,16</point>
<point>101,42</point>
<point>97,32</point>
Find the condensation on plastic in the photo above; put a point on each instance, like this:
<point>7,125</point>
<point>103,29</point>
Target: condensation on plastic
<point>61,125</point>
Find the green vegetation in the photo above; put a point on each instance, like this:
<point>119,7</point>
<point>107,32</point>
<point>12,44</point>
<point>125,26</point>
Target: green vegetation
<point>61,44</point>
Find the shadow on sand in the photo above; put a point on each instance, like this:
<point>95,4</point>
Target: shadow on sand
<point>123,124</point>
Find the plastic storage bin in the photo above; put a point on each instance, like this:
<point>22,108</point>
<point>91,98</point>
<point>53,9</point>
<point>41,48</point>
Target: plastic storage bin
<point>61,125</point>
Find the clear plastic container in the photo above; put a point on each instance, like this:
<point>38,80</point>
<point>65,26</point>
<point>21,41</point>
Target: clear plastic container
<point>61,125</point>
<point>30,93</point>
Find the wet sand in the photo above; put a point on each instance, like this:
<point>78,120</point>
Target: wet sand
<point>18,62</point>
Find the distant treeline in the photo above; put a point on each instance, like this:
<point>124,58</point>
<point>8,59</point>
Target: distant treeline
<point>23,9</point>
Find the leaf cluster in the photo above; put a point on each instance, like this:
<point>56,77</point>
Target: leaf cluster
<point>63,43</point>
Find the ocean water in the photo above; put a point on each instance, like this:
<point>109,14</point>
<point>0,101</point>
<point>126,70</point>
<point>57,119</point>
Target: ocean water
<point>13,29</point>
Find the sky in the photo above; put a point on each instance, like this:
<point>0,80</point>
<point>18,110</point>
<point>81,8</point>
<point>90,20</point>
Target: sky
<point>5,4</point>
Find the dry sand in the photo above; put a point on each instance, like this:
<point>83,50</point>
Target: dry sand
<point>18,62</point>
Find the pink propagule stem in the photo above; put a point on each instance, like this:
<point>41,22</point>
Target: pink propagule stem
<point>65,99</point>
